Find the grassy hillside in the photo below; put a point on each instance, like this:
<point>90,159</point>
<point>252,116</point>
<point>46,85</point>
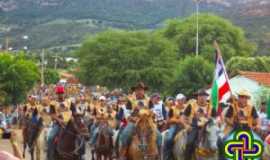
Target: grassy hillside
<point>61,22</point>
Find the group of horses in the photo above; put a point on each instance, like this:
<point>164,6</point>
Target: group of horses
<point>72,141</point>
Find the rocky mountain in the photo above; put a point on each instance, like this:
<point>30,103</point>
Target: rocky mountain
<point>34,17</point>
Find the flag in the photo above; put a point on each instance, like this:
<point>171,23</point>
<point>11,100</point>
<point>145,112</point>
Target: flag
<point>221,90</point>
<point>268,107</point>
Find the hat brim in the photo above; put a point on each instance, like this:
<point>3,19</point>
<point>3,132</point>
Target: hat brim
<point>202,94</point>
<point>244,95</point>
<point>139,87</point>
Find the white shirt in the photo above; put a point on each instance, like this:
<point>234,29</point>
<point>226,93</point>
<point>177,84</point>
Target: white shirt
<point>157,109</point>
<point>127,112</point>
<point>264,121</point>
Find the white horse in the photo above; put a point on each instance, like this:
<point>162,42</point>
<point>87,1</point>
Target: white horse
<point>206,146</point>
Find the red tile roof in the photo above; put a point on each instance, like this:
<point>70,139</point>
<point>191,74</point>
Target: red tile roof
<point>260,77</point>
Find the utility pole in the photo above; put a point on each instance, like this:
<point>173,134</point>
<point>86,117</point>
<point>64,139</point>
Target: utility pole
<point>7,44</point>
<point>197,24</point>
<point>56,61</point>
<point>42,68</point>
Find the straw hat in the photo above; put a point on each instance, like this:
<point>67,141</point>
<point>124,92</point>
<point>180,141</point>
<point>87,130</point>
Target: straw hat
<point>244,93</point>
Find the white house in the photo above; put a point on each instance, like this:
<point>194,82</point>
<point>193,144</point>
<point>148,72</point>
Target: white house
<point>251,81</point>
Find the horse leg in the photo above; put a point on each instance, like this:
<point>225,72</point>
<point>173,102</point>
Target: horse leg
<point>98,156</point>
<point>24,148</point>
<point>93,154</point>
<point>32,154</point>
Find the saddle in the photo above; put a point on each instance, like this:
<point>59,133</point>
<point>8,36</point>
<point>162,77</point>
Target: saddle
<point>203,152</point>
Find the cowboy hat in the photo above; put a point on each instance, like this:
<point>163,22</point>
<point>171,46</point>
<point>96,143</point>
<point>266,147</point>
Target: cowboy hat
<point>140,85</point>
<point>202,92</point>
<point>243,93</point>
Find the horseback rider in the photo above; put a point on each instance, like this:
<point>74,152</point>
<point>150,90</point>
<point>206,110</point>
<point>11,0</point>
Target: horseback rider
<point>244,115</point>
<point>125,110</point>
<point>175,122</point>
<point>201,104</point>
<point>169,103</point>
<point>199,111</point>
<point>138,95</point>
<point>36,126</point>
<point>81,104</point>
<point>264,121</point>
<point>101,118</point>
<point>60,116</point>
<point>139,101</point>
<point>159,110</point>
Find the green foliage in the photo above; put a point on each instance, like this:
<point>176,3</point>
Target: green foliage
<point>263,95</point>
<point>51,76</point>
<point>17,77</point>
<point>231,38</point>
<point>3,95</point>
<point>258,64</point>
<point>121,59</point>
<point>193,73</point>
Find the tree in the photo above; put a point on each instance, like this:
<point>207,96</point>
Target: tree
<point>3,95</point>
<point>17,77</point>
<point>119,59</point>
<point>263,95</point>
<point>194,73</point>
<point>231,39</point>
<point>51,76</point>
<point>257,64</point>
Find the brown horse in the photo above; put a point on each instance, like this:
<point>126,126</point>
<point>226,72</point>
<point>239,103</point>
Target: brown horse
<point>31,132</point>
<point>104,143</point>
<point>144,139</point>
<point>25,120</point>
<point>71,140</point>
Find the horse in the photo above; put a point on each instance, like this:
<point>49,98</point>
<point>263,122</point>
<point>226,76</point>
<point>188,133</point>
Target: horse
<point>207,148</point>
<point>31,132</point>
<point>24,124</point>
<point>104,143</point>
<point>266,153</point>
<point>204,143</point>
<point>144,139</point>
<point>70,143</point>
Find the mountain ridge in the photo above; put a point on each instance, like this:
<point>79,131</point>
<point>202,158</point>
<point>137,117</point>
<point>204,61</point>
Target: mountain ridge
<point>28,15</point>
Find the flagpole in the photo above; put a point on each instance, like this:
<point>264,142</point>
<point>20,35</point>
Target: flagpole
<point>197,24</point>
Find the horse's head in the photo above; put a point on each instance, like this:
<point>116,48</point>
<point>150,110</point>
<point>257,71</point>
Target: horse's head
<point>104,142</point>
<point>267,147</point>
<point>145,120</point>
<point>212,133</point>
<point>145,129</point>
<point>208,143</point>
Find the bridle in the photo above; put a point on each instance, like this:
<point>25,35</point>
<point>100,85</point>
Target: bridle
<point>144,138</point>
<point>201,150</point>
